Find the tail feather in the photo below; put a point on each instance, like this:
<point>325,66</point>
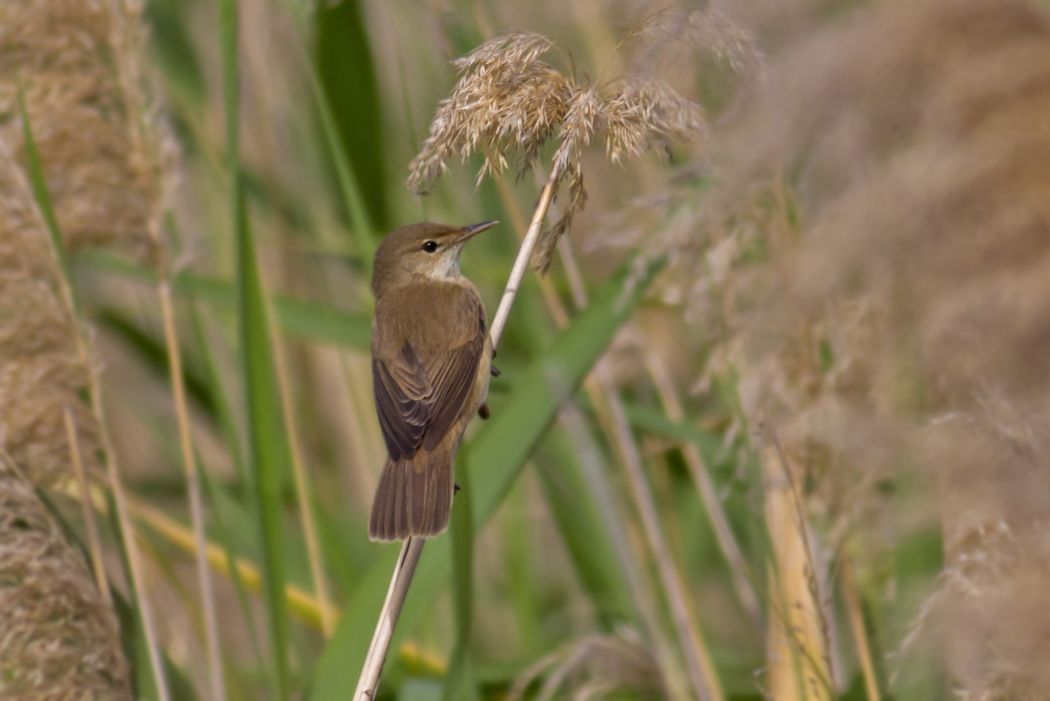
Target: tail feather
<point>414,497</point>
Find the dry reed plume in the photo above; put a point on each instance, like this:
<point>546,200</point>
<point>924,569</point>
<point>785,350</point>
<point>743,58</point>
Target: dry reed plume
<point>59,640</point>
<point>884,287</point>
<point>105,191</point>
<point>75,63</point>
<point>508,104</point>
<point>70,63</point>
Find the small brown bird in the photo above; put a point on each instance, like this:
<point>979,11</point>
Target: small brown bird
<point>431,359</point>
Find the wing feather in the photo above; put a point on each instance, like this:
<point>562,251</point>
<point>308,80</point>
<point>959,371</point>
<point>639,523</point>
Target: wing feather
<point>422,391</point>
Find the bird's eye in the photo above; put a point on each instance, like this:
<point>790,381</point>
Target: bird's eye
<point>430,246</point>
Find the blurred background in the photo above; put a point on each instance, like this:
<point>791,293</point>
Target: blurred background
<point>773,424</point>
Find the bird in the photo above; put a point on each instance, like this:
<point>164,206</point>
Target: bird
<point>431,363</point>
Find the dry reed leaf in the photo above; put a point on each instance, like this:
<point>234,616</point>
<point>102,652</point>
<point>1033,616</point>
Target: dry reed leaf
<point>59,640</point>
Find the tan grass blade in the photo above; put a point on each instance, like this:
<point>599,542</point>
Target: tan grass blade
<point>302,485</point>
<point>701,669</point>
<point>193,493</point>
<point>305,606</point>
<point>84,497</point>
<point>631,561</point>
<point>131,547</point>
<point>856,624</point>
<point>703,676</point>
<point>743,578</point>
<point>797,652</point>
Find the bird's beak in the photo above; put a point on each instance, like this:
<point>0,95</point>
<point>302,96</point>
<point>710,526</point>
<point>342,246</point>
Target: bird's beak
<point>469,232</point>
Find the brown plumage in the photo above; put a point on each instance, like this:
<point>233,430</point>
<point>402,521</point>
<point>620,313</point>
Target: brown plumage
<point>430,369</point>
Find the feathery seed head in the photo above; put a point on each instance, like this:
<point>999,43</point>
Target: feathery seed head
<point>507,104</point>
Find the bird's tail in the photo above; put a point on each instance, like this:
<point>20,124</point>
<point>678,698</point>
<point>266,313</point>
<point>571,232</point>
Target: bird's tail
<point>414,497</point>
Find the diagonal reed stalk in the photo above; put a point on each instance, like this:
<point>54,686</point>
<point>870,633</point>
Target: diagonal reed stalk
<point>702,674</point>
<point>412,549</point>
<point>740,572</point>
<point>217,686</point>
<point>798,664</point>
<point>630,560</point>
<point>302,483</point>
<point>855,614</point>
<point>305,606</point>
<point>84,496</point>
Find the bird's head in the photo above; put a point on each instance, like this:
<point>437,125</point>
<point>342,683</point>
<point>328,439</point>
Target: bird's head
<point>421,250</point>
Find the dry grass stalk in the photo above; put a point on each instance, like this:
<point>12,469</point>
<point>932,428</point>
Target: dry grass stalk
<point>508,104</point>
<point>630,561</point>
<point>304,496</point>
<point>797,662</point>
<point>84,497</point>
<point>702,675</point>
<point>594,667</point>
<point>858,630</point>
<point>743,578</point>
<point>60,639</point>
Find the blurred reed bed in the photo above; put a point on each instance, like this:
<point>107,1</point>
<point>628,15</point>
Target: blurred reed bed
<point>879,239</point>
<point>806,460</point>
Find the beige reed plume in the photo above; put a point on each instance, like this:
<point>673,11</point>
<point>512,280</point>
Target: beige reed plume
<point>60,638</point>
<point>508,104</point>
<point>75,67</point>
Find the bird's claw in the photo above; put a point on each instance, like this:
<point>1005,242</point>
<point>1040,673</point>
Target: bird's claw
<point>483,412</point>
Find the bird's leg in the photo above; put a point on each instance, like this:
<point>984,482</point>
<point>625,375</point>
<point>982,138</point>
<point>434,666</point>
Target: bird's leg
<point>483,412</point>
<point>493,370</point>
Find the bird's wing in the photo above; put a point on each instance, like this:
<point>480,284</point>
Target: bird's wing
<point>422,390</point>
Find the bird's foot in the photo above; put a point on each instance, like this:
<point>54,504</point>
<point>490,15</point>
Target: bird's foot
<point>494,371</point>
<point>456,488</point>
<point>483,412</point>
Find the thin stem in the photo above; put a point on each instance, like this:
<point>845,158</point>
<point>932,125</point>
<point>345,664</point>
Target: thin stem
<point>629,559</point>
<point>860,635</point>
<point>631,562</point>
<point>698,660</point>
<point>193,493</point>
<point>368,682</point>
<point>302,489</point>
<point>521,263</point>
<point>743,578</point>
<point>84,492</point>
<point>127,535</point>
<point>797,665</point>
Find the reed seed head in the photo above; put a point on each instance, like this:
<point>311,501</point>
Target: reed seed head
<point>508,104</point>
